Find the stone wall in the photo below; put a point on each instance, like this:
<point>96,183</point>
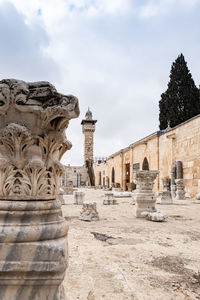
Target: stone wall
<point>182,144</point>
<point>162,148</point>
<point>101,171</point>
<point>74,176</point>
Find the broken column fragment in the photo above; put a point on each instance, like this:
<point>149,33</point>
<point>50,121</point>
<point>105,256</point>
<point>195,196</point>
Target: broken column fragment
<point>172,179</point>
<point>79,197</point>
<point>164,196</point>
<point>33,239</point>
<point>143,195</point>
<point>180,189</point>
<point>89,212</point>
<point>61,196</point>
<point>109,199</point>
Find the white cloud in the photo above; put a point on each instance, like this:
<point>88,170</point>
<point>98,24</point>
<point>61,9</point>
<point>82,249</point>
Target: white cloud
<point>52,12</point>
<point>156,8</point>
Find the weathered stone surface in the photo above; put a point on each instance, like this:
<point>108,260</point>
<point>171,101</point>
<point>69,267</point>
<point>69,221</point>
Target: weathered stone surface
<point>179,169</point>
<point>133,197</point>
<point>173,185</point>
<point>163,149</point>
<point>198,194</point>
<point>33,140</point>
<point>61,196</point>
<point>89,212</point>
<point>117,189</point>
<point>143,195</point>
<point>109,199</point>
<point>122,194</point>
<point>154,216</point>
<point>164,196</point>
<point>180,189</point>
<point>110,202</point>
<point>79,197</point>
<point>166,184</point>
<point>69,190</point>
<point>131,186</point>
<point>109,196</point>
<point>74,177</point>
<point>33,233</point>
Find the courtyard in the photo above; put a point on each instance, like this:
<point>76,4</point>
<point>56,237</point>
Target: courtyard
<point>122,257</point>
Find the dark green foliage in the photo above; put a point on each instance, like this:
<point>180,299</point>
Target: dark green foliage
<point>181,101</point>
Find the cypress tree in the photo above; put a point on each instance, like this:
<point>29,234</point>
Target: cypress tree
<point>181,101</point>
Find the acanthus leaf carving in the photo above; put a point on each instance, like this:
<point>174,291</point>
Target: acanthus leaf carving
<point>34,142</point>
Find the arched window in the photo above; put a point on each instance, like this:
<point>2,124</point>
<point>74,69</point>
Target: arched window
<point>113,175</point>
<point>145,164</point>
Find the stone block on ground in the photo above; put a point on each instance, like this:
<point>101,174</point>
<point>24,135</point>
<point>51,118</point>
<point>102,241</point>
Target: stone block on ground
<point>79,197</point>
<point>164,197</point>
<point>154,216</point>
<point>197,196</point>
<point>122,194</point>
<point>89,212</point>
<point>117,189</point>
<point>198,193</point>
<point>61,196</point>
<point>69,190</point>
<point>180,189</point>
<point>109,199</point>
<point>110,202</point>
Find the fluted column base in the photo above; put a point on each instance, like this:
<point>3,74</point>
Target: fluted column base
<point>33,250</point>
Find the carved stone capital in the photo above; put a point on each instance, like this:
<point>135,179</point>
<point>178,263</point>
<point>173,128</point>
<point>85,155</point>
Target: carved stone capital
<point>33,119</point>
<point>143,195</point>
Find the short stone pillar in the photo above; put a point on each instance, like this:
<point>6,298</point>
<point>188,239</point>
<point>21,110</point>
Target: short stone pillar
<point>61,196</point>
<point>172,179</point>
<point>69,190</point>
<point>130,186</point>
<point>33,233</point>
<point>166,184</point>
<point>109,199</point>
<point>143,195</point>
<point>164,196</point>
<point>198,191</point>
<point>180,189</point>
<point>79,197</point>
<point>89,212</point>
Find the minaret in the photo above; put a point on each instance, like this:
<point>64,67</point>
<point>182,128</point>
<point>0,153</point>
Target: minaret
<point>88,129</point>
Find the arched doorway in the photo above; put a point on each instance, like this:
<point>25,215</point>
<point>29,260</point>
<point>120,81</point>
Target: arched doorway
<point>113,175</point>
<point>145,164</point>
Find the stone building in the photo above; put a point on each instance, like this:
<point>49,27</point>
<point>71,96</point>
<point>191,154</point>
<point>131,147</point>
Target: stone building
<point>75,176</point>
<point>163,150</point>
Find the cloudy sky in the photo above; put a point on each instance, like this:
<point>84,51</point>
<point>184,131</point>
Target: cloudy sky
<point>114,55</point>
